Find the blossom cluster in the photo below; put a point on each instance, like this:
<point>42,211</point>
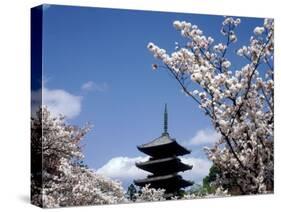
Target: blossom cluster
<point>219,192</point>
<point>239,102</point>
<point>147,194</point>
<point>62,180</point>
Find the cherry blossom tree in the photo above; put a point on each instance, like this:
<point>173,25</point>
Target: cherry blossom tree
<point>239,103</point>
<point>58,178</point>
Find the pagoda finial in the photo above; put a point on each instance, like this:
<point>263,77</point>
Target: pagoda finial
<point>165,120</point>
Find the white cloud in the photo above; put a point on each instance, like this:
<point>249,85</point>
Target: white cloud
<point>87,86</point>
<point>204,136</point>
<point>123,168</point>
<point>199,170</point>
<point>58,102</point>
<point>92,86</point>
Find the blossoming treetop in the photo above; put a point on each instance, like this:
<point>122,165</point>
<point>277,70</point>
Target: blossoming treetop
<point>238,102</point>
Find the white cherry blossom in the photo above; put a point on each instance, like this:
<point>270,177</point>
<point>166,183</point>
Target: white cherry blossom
<point>238,102</point>
<point>61,180</point>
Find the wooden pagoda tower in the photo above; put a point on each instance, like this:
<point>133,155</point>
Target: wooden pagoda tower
<point>163,163</point>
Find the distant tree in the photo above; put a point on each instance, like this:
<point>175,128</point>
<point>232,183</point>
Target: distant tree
<point>197,190</point>
<point>63,179</point>
<point>214,172</point>
<point>181,193</point>
<point>131,193</point>
<point>238,100</point>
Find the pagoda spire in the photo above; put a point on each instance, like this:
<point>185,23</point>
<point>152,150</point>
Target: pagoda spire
<point>165,121</point>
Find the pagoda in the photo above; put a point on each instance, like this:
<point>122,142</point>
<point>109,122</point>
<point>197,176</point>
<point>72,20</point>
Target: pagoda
<point>163,163</point>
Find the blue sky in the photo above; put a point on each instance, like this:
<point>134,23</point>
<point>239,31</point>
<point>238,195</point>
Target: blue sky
<point>97,69</point>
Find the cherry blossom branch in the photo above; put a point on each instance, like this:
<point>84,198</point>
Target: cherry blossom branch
<point>187,92</point>
<point>256,64</point>
<point>236,103</point>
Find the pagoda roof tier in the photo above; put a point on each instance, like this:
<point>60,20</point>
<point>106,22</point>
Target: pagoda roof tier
<point>164,166</point>
<point>169,182</point>
<point>163,146</point>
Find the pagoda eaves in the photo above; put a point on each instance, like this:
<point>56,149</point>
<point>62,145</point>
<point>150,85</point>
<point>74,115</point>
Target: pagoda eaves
<point>163,146</point>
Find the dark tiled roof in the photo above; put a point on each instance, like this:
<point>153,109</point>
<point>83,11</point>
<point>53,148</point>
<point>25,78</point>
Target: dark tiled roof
<point>164,179</point>
<point>164,165</point>
<point>163,146</point>
<point>162,140</point>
